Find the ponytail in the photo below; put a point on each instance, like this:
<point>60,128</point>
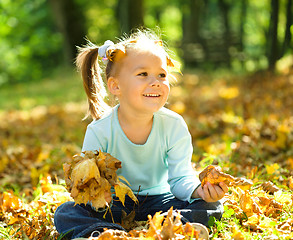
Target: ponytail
<point>87,63</point>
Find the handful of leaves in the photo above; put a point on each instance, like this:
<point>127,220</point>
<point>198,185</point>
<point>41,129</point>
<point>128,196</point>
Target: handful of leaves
<point>88,177</point>
<point>214,175</point>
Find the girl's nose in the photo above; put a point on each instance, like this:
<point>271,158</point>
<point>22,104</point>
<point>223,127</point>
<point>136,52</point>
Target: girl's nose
<point>155,83</point>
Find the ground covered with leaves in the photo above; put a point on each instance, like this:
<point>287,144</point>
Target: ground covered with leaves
<point>242,124</point>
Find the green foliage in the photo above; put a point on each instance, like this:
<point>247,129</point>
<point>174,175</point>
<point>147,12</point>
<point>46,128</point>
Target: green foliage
<point>101,20</point>
<point>29,43</point>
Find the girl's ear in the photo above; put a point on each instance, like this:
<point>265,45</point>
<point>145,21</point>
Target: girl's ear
<point>113,86</point>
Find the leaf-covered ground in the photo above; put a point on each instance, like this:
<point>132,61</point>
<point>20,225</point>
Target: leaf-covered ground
<point>244,125</point>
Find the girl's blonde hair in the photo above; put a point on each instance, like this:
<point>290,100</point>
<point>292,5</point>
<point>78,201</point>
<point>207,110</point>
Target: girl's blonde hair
<point>87,62</point>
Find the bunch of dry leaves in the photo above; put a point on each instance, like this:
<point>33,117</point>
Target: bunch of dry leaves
<point>88,177</point>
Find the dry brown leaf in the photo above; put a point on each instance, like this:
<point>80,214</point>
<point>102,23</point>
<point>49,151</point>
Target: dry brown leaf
<point>128,222</point>
<point>113,234</point>
<point>167,231</point>
<point>248,204</point>
<point>270,207</point>
<point>290,182</point>
<point>270,187</point>
<point>214,175</point>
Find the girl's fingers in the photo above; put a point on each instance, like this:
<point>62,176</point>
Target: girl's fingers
<point>203,192</point>
<point>224,186</point>
<point>220,192</point>
<point>214,191</point>
<point>207,193</point>
<point>108,197</point>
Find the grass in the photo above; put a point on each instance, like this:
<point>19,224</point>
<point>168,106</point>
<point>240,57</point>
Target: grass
<point>64,86</point>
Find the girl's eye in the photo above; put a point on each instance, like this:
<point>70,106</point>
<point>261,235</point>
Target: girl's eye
<point>162,75</point>
<point>143,74</point>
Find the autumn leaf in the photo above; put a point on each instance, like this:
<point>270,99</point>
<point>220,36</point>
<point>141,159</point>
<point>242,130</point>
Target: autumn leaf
<point>272,168</point>
<point>10,202</point>
<point>270,187</point>
<point>248,204</point>
<point>129,223</point>
<point>48,186</point>
<point>155,224</point>
<point>214,175</point>
<point>121,190</point>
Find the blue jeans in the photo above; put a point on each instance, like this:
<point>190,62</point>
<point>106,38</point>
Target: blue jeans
<point>81,220</point>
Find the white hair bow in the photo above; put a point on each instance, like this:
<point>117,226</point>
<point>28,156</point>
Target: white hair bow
<point>103,49</point>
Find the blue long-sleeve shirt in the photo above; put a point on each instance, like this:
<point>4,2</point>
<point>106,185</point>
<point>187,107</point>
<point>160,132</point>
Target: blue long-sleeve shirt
<point>161,165</point>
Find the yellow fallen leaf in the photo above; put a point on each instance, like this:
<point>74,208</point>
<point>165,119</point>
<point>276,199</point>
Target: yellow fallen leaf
<point>290,182</point>
<point>36,173</point>
<point>272,168</point>
<point>3,162</point>
<point>158,219</point>
<point>237,234</point>
<point>121,190</point>
<point>282,197</point>
<point>10,202</point>
<point>13,220</point>
<point>48,186</point>
<point>290,163</point>
<point>228,92</point>
<point>266,222</point>
<point>253,220</point>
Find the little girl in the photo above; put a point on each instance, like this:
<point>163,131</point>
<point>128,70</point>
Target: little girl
<point>152,142</point>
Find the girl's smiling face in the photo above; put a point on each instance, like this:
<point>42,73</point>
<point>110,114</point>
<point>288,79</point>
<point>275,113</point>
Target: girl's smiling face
<point>141,82</point>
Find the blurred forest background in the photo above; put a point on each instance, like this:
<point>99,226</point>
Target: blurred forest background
<point>235,95</point>
<point>39,36</point>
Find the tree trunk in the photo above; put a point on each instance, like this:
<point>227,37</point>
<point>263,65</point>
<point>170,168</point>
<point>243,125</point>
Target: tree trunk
<point>191,15</point>
<point>70,21</point>
<point>224,7</point>
<point>130,14</point>
<point>273,52</point>
<point>243,13</point>
<point>191,20</point>
<point>288,36</point>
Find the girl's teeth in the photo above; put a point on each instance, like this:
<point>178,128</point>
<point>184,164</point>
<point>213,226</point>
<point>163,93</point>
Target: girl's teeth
<point>152,95</point>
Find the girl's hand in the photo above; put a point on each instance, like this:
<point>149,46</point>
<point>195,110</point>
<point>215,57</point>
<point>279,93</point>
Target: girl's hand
<point>108,197</point>
<point>210,192</point>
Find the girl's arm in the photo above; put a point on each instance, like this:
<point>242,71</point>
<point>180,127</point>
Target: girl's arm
<point>181,176</point>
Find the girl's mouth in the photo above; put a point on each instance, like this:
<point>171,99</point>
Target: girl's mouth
<point>151,95</point>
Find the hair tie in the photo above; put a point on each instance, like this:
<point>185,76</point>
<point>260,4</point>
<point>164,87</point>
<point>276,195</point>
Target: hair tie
<point>103,49</point>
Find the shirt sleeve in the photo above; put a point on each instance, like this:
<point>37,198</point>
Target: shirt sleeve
<point>181,176</point>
